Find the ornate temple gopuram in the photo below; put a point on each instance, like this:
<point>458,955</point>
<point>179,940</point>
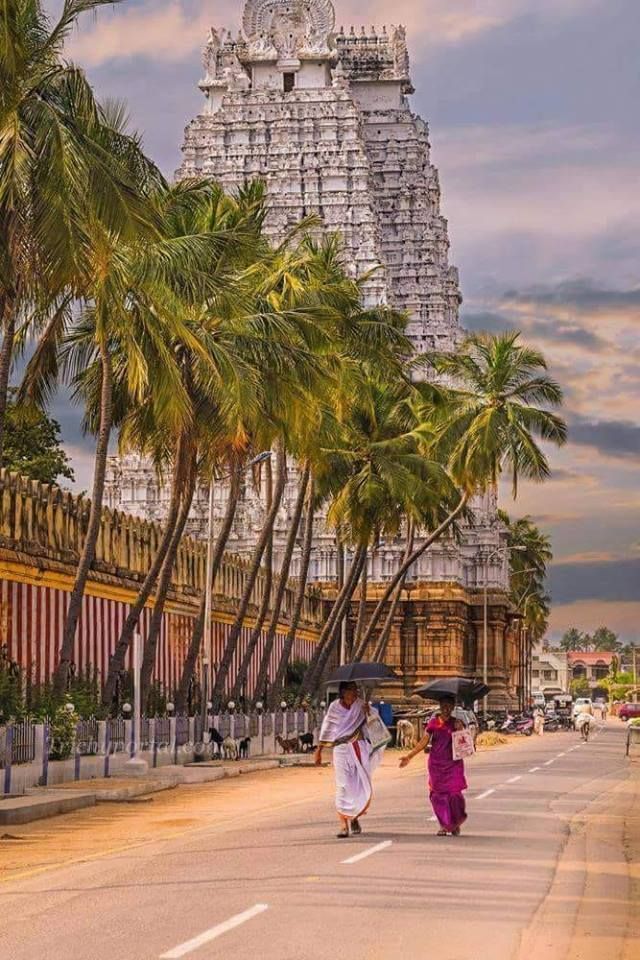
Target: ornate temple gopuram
<point>322,114</point>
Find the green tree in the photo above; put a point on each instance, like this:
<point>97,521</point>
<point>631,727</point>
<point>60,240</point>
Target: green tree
<point>32,445</point>
<point>11,699</point>
<point>487,423</point>
<point>381,478</point>
<point>59,157</point>
<point>606,640</point>
<point>528,564</point>
<point>130,287</point>
<point>580,688</point>
<point>573,640</point>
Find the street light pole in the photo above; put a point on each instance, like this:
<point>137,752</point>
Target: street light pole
<point>485,645</point>
<point>485,613</point>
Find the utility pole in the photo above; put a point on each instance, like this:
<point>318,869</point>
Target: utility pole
<point>136,765</point>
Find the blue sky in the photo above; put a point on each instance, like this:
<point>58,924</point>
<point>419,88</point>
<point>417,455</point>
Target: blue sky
<point>533,109</point>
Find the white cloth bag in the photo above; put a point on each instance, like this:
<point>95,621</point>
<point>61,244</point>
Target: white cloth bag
<point>462,744</point>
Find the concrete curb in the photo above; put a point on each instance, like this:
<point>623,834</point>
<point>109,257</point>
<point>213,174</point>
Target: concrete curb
<point>48,802</point>
<point>20,810</point>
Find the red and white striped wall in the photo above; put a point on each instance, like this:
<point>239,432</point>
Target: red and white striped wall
<point>32,620</point>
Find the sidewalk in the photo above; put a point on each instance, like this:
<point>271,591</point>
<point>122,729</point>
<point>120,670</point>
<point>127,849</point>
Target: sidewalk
<point>592,909</point>
<point>45,802</point>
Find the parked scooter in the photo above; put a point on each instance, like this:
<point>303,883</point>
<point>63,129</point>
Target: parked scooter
<point>518,725</point>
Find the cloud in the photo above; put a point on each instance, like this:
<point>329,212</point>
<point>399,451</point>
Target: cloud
<point>590,614</point>
<point>157,29</point>
<point>580,294</point>
<point>173,29</point>
<point>615,580</point>
<point>618,438</point>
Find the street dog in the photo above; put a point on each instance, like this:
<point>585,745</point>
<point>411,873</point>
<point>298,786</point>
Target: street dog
<point>243,748</point>
<point>229,749</point>
<point>288,746</point>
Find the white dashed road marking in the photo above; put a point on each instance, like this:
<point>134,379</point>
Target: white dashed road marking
<point>214,933</point>
<point>515,779</point>
<point>367,853</point>
<point>487,793</point>
<point>534,769</point>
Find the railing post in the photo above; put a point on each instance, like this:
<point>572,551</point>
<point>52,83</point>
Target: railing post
<point>173,739</point>
<point>102,737</point>
<point>8,741</point>
<point>107,748</point>
<point>46,746</point>
<point>76,757</point>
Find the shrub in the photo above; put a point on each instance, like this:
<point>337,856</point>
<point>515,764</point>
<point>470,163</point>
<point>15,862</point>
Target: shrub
<point>62,732</point>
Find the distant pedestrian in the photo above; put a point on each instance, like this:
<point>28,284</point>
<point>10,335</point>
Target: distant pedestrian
<point>345,729</point>
<point>446,777</point>
<point>538,721</point>
<point>583,724</point>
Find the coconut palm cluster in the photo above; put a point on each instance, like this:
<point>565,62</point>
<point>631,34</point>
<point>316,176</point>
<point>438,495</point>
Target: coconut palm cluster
<point>188,335</point>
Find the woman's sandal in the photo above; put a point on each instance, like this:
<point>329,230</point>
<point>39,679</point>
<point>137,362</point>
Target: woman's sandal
<point>456,832</point>
<point>441,833</point>
<point>344,834</point>
<point>356,829</point>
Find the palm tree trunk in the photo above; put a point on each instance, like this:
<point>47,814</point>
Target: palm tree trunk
<point>87,556</point>
<point>164,583</point>
<point>218,554</point>
<point>240,683</point>
<point>283,581</point>
<point>406,566</point>
<point>116,664</point>
<point>383,642</point>
<point>8,321</point>
<point>328,636</point>
<point>234,635</point>
<point>307,546</point>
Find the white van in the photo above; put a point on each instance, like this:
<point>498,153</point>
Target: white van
<point>583,705</point>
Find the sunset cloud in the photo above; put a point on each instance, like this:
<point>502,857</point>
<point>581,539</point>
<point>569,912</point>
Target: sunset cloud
<point>529,104</point>
<point>171,29</point>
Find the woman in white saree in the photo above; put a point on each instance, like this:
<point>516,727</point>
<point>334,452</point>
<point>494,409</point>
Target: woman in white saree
<point>345,729</point>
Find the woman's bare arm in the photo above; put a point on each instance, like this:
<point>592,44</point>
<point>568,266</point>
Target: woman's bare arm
<point>406,760</point>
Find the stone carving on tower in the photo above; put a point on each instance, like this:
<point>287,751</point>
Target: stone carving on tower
<point>324,117</point>
<point>288,29</point>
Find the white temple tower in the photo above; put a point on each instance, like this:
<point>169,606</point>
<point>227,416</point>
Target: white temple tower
<point>323,116</point>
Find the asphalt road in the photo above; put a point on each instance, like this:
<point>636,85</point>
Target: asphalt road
<point>275,885</point>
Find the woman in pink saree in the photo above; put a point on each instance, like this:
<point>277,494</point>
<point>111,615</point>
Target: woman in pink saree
<point>445,775</point>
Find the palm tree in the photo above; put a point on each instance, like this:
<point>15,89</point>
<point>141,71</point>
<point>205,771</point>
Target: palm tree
<point>63,159</point>
<point>164,583</point>
<point>381,477</point>
<point>254,569</point>
<point>198,634</point>
<point>283,580</point>
<point>240,683</point>
<point>219,384</point>
<point>488,423</point>
<point>305,560</point>
<point>132,292</point>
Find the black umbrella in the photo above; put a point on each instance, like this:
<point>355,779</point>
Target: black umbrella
<point>462,688</point>
<point>362,673</point>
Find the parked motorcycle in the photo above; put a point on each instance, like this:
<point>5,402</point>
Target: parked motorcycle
<point>552,723</point>
<point>522,725</point>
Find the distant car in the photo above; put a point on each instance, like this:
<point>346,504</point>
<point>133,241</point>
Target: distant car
<point>583,705</point>
<point>629,711</point>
